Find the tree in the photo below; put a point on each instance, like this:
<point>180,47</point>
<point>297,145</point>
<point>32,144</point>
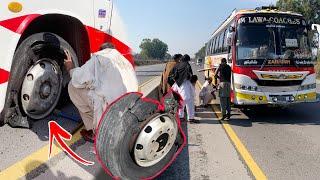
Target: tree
<point>155,49</point>
<point>201,53</point>
<point>310,9</point>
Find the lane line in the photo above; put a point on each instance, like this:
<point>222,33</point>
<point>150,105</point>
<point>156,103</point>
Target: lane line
<point>39,157</point>
<point>240,147</point>
<point>147,82</point>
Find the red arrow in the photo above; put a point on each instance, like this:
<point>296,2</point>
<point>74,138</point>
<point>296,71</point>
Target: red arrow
<point>60,134</point>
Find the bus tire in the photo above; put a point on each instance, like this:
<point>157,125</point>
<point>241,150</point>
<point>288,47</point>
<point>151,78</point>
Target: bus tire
<point>40,53</point>
<point>122,139</point>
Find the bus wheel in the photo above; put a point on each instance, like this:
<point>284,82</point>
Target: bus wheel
<point>38,74</point>
<point>136,141</point>
<point>40,88</point>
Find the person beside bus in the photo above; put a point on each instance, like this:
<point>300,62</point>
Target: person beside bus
<point>106,76</point>
<point>167,80</point>
<point>182,73</point>
<point>207,92</point>
<point>223,73</point>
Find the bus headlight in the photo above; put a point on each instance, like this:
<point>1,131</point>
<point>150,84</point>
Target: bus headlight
<point>248,88</point>
<point>291,98</point>
<point>275,99</point>
<point>307,87</point>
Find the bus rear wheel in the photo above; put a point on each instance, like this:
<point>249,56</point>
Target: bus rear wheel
<point>38,76</point>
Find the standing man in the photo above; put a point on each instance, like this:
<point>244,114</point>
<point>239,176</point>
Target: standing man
<point>166,80</point>
<point>223,73</point>
<point>182,74</point>
<point>106,76</point>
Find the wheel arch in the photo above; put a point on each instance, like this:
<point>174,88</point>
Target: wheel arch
<point>68,27</point>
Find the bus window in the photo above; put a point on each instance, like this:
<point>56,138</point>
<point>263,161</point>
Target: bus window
<point>294,43</point>
<point>225,45</point>
<point>221,42</point>
<point>213,41</point>
<point>256,42</point>
<point>216,44</point>
<point>207,48</point>
<point>210,47</point>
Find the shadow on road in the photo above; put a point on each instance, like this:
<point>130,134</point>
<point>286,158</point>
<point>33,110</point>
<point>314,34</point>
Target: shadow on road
<point>299,114</point>
<point>180,169</point>
<point>48,173</point>
<point>40,127</point>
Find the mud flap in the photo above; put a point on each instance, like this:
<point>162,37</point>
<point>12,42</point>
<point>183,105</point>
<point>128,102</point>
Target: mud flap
<point>119,127</point>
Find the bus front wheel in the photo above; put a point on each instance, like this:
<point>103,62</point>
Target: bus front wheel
<point>38,76</point>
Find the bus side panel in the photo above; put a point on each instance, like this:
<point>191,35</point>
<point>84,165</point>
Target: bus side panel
<point>12,26</point>
<point>8,43</point>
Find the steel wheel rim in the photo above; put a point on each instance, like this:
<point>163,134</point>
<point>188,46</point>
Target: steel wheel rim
<point>155,140</point>
<point>41,88</point>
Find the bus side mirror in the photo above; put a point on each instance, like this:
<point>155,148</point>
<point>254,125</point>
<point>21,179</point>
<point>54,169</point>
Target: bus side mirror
<point>232,29</point>
<point>315,42</point>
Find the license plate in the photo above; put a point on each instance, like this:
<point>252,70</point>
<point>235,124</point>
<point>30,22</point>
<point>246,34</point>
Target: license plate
<point>283,98</point>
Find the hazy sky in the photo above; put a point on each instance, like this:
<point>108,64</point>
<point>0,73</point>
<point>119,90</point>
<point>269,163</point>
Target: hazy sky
<point>185,25</point>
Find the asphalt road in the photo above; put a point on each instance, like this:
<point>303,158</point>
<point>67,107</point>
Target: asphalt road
<point>284,142</point>
<point>207,155</point>
<point>17,143</point>
<point>146,72</point>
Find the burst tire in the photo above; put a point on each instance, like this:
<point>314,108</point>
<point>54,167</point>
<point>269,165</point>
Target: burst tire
<point>46,47</point>
<point>117,134</point>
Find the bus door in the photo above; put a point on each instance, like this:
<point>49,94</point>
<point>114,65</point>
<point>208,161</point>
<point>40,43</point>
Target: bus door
<point>230,42</point>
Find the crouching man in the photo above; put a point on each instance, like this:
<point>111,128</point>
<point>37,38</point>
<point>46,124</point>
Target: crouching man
<point>207,91</point>
<point>106,76</point>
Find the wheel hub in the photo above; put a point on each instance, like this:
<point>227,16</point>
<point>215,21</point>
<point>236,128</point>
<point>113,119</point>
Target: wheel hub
<point>155,140</point>
<point>45,90</point>
<point>41,88</point>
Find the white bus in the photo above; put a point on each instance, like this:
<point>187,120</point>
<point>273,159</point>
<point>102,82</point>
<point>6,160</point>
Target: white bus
<point>33,34</point>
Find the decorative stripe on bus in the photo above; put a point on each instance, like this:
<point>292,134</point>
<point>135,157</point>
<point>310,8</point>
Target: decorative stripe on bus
<point>18,24</point>
<point>4,76</point>
<point>97,38</point>
<point>248,71</point>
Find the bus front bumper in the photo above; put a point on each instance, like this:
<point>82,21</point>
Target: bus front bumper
<point>265,98</point>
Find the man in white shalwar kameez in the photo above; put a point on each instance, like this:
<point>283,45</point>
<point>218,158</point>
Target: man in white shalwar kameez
<point>186,92</point>
<point>206,91</point>
<point>182,75</point>
<point>100,81</point>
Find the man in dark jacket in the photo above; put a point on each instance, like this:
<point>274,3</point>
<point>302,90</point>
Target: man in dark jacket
<point>223,73</point>
<point>182,71</point>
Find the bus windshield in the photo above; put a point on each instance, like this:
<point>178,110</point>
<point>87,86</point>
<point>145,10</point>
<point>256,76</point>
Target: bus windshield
<point>260,41</point>
<point>294,43</point>
<point>256,42</point>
